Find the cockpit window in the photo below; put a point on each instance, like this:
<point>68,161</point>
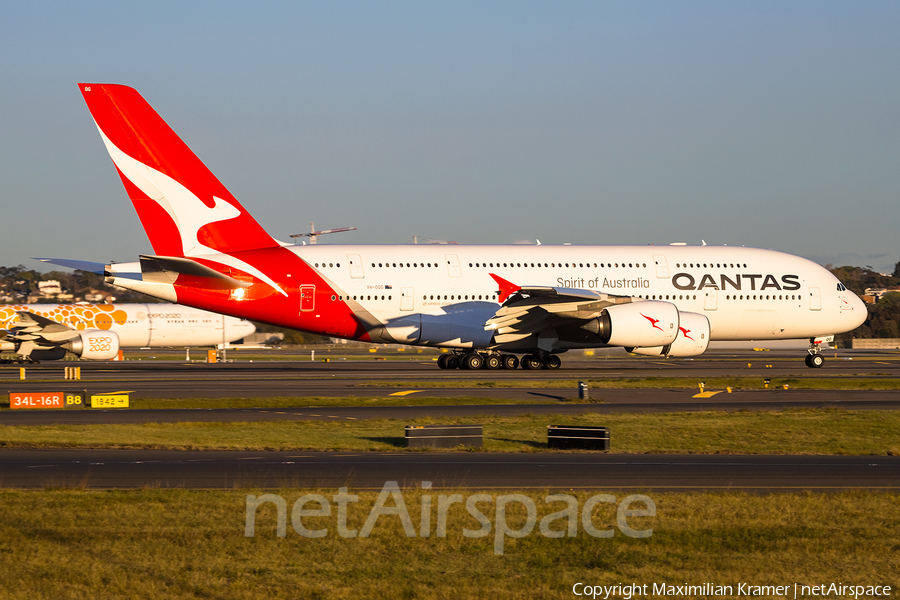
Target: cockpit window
<point>841,287</point>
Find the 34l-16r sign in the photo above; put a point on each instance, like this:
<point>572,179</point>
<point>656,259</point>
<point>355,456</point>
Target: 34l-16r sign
<point>46,400</point>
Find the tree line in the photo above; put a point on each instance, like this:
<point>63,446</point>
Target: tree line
<point>884,316</point>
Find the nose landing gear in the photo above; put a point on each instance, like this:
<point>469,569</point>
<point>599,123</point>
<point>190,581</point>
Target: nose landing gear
<point>814,359</point>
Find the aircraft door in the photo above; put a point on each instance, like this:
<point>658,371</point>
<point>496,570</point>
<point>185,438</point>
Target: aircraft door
<point>662,268</point>
<point>710,300</point>
<point>815,299</point>
<point>453,265</point>
<point>356,266</point>
<point>307,298</point>
<point>145,314</point>
<point>406,298</point>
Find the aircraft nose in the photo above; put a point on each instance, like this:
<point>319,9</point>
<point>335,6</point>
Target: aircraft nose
<point>858,311</point>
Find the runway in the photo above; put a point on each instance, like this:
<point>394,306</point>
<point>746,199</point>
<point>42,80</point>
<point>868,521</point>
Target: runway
<point>100,469</point>
<point>552,393</point>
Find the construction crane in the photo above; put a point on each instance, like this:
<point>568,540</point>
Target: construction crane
<point>313,233</point>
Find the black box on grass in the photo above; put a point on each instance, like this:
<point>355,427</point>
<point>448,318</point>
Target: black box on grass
<point>577,437</point>
<point>443,436</point>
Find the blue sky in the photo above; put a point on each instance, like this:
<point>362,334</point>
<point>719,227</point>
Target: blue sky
<point>768,124</point>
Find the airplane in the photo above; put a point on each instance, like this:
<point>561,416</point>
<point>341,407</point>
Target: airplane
<point>35,332</point>
<point>485,304</point>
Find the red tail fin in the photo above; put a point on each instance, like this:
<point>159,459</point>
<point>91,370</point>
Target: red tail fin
<point>184,209</point>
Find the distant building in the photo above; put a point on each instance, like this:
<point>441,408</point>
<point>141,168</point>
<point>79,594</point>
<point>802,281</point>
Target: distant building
<point>877,344</point>
<point>99,296</point>
<point>873,295</point>
<point>49,288</point>
<point>264,338</point>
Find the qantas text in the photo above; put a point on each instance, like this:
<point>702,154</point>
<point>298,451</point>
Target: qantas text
<point>686,281</point>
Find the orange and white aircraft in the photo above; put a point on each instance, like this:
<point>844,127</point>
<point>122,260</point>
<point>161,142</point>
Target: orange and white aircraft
<point>486,302</point>
<point>35,332</point>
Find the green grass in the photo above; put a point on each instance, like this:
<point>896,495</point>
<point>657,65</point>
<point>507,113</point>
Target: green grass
<point>322,401</point>
<point>837,382</point>
<point>67,544</point>
<point>313,401</point>
<point>799,431</point>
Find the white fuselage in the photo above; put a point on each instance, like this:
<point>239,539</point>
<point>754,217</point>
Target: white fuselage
<point>140,325</point>
<point>746,293</point>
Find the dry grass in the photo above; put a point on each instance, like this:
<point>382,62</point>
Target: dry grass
<point>799,431</point>
<point>64,544</point>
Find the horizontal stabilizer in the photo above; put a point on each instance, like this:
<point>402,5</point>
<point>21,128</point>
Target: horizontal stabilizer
<point>166,269</point>
<point>81,265</point>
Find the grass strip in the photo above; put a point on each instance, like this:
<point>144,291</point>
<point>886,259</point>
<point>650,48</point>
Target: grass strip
<point>67,544</point>
<point>315,401</point>
<point>325,401</point>
<point>838,382</point>
<point>795,431</point>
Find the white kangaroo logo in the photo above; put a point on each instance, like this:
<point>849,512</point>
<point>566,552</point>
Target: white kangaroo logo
<point>186,210</point>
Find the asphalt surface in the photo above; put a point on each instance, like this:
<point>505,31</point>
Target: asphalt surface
<point>370,378</point>
<point>98,469</point>
<point>349,372</point>
<point>361,377</point>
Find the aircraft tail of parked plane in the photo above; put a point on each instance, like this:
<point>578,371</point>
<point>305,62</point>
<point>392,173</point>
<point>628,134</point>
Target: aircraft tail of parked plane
<point>486,303</point>
<point>36,332</point>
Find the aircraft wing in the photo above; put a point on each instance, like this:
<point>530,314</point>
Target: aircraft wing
<point>531,310</point>
<point>36,336</point>
<point>32,327</point>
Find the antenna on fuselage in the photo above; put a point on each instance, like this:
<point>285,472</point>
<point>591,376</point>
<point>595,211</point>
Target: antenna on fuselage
<point>313,233</point>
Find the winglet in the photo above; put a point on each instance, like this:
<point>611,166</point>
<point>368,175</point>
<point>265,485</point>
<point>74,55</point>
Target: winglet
<point>507,288</point>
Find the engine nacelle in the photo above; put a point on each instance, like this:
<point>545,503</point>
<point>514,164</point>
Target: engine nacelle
<point>692,340</point>
<point>644,323</point>
<point>95,345</point>
<point>40,354</point>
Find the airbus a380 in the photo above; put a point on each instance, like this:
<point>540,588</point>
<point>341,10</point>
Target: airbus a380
<point>487,303</point>
<point>35,332</point>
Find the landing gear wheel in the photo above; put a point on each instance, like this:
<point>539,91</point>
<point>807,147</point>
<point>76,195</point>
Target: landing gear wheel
<point>552,362</point>
<point>492,362</point>
<point>452,361</point>
<point>532,362</point>
<point>814,361</point>
<point>472,361</point>
<point>442,361</point>
<point>509,361</point>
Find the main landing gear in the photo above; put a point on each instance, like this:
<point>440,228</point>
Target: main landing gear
<point>493,360</point>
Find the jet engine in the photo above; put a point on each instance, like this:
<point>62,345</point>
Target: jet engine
<point>692,340</point>
<point>645,323</point>
<point>94,345</point>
